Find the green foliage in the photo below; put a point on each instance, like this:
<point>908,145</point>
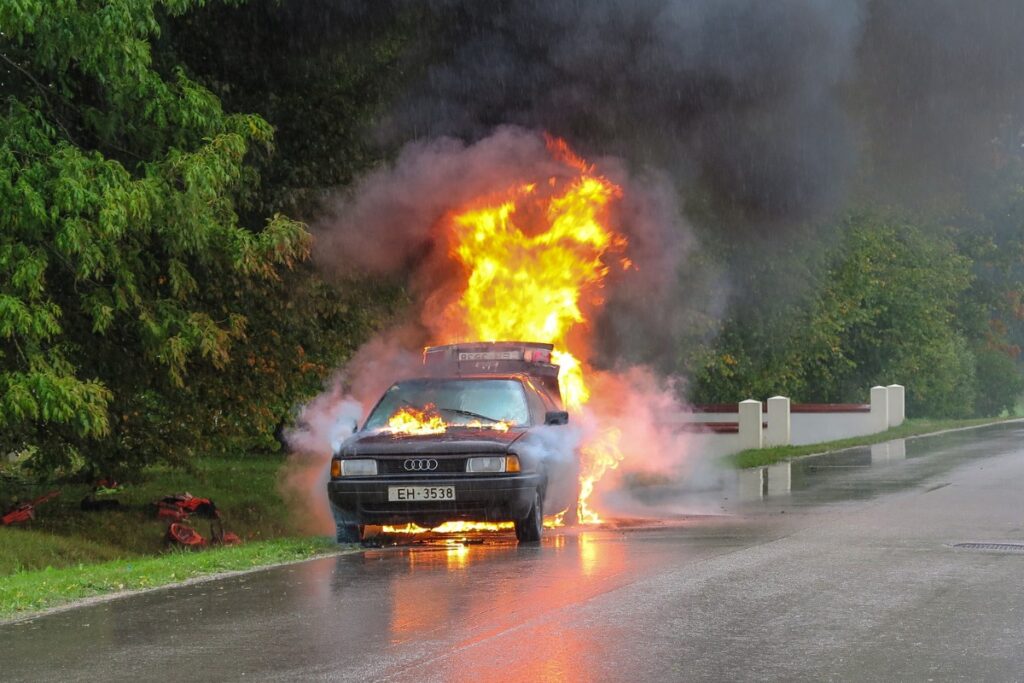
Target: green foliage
<point>999,382</point>
<point>887,313</point>
<point>124,269</point>
<point>322,72</point>
<point>885,309</point>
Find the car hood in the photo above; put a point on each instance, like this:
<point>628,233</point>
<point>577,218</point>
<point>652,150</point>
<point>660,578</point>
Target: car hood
<point>453,441</point>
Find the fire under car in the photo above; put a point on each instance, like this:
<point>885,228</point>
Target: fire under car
<point>478,437</point>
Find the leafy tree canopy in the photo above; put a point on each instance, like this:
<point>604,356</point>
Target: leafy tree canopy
<point>123,266</point>
<point>887,306</point>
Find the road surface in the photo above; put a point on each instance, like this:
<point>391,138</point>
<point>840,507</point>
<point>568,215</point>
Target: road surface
<point>849,575</point>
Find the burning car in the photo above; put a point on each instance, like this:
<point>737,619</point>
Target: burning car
<point>465,441</point>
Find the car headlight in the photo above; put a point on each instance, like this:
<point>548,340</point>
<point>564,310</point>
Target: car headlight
<point>353,468</point>
<point>492,464</point>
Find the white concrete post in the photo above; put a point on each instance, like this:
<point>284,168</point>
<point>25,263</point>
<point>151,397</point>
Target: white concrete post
<point>896,404</point>
<point>750,483</point>
<point>780,476</point>
<point>879,453</point>
<point>898,449</point>
<point>750,424</point>
<point>879,409</point>
<point>777,433</point>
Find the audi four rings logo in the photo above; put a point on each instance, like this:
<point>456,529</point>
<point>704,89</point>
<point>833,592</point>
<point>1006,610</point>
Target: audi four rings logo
<point>420,465</point>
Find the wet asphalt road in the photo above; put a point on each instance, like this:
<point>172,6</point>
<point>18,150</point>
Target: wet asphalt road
<point>850,575</point>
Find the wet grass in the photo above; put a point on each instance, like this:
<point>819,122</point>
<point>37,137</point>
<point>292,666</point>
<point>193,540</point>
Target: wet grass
<point>758,457</point>
<point>244,489</point>
<point>25,592</point>
<point>66,553</point>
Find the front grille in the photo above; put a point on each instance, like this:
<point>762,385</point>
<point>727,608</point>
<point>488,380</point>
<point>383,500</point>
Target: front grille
<point>445,465</point>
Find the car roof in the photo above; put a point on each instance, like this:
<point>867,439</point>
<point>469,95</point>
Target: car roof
<point>442,378</point>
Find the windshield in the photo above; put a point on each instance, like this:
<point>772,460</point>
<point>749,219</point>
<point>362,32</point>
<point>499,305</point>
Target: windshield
<point>460,402</point>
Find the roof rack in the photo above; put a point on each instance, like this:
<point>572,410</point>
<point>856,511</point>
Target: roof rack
<point>531,358</point>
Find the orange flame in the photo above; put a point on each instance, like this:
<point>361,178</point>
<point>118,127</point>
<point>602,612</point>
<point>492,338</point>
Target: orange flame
<point>409,420</point>
<point>460,527</point>
<point>535,261</point>
<point>413,421</point>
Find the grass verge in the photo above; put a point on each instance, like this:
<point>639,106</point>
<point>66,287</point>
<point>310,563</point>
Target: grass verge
<point>62,535</point>
<point>31,591</point>
<point>66,554</point>
<point>758,457</point>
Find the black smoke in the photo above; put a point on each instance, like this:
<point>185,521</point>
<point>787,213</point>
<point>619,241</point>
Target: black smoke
<point>738,96</point>
<point>757,119</point>
<point>767,110</point>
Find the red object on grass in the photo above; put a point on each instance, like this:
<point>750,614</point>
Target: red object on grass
<point>180,506</point>
<point>184,535</point>
<point>22,512</point>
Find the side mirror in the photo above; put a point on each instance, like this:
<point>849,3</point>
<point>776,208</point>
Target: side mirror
<point>556,417</point>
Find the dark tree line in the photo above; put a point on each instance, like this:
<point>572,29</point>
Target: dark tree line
<point>158,159</point>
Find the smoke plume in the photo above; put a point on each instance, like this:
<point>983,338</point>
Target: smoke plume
<point>763,115</point>
<point>766,109</point>
<point>386,224</point>
<point>393,223</point>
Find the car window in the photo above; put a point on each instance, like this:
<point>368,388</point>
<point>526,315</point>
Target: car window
<point>460,401</point>
<point>536,404</point>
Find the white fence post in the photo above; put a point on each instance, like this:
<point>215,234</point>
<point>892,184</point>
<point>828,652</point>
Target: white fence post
<point>896,404</point>
<point>778,430</point>
<point>780,477</point>
<point>879,409</point>
<point>750,424</point>
<point>751,483</point>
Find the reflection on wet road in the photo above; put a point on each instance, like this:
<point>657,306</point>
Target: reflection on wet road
<point>780,577</point>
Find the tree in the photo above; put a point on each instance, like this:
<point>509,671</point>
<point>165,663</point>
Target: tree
<point>123,266</point>
<point>884,309</point>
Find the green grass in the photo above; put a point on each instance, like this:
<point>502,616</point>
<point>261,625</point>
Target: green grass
<point>30,591</point>
<point>66,554</point>
<point>757,457</point>
<point>244,489</point>
<point>23,549</point>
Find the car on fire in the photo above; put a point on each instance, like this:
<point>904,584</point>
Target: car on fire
<point>471,439</point>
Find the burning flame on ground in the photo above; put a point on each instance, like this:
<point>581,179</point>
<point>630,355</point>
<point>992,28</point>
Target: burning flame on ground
<point>409,420</point>
<point>535,261</point>
<point>460,527</point>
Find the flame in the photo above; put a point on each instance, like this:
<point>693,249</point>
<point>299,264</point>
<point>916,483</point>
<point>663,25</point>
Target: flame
<point>535,260</point>
<point>460,527</point>
<point>408,420</point>
<point>599,456</point>
<point>456,527</point>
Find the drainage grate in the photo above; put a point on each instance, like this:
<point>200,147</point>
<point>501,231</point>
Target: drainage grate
<point>1001,547</point>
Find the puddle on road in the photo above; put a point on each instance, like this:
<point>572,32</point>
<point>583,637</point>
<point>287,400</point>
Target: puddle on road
<point>459,542</point>
<point>841,476</point>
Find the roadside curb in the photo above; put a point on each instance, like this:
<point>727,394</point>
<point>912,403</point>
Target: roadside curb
<point>109,597</point>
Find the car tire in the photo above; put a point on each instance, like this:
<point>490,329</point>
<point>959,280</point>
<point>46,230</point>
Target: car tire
<point>346,528</point>
<point>530,528</point>
<point>347,533</point>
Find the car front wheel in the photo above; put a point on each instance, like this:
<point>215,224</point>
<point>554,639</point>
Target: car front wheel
<point>530,528</point>
<point>347,533</point>
<point>346,528</point>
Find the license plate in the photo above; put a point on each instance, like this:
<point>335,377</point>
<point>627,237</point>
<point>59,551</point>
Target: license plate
<point>418,494</point>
